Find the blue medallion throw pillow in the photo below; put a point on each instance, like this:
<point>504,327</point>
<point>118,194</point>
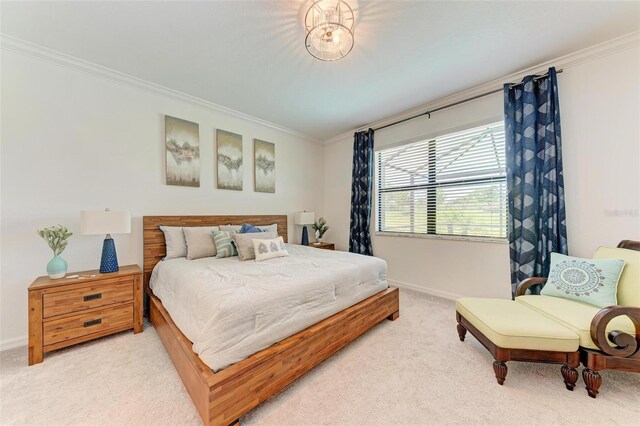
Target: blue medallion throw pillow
<point>249,229</point>
<point>592,281</point>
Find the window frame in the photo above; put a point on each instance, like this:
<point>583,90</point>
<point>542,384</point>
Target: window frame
<point>432,137</point>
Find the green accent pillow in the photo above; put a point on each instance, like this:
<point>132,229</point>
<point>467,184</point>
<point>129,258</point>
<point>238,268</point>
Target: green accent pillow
<point>592,281</point>
<point>224,243</point>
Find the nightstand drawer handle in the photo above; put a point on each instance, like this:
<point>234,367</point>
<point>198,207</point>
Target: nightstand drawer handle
<point>93,322</point>
<point>93,297</point>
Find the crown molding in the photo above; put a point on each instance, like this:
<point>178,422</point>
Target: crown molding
<point>565,62</point>
<point>55,57</point>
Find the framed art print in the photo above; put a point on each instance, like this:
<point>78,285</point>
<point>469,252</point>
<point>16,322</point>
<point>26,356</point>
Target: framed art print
<point>182,145</point>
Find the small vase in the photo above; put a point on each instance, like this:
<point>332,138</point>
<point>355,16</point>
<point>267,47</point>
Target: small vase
<point>57,268</point>
<point>319,240</point>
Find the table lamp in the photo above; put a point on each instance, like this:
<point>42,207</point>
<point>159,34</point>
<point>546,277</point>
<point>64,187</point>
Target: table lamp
<point>304,219</point>
<point>106,222</point>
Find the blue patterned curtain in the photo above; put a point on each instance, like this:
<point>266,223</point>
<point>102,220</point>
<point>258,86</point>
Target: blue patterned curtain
<point>361,193</point>
<point>535,182</point>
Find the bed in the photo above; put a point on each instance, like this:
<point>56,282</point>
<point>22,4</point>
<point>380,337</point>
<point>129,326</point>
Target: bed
<point>229,377</point>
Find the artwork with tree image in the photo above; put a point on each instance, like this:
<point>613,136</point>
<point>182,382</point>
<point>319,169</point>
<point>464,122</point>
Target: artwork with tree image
<point>182,144</point>
<point>265,166</point>
<point>229,157</point>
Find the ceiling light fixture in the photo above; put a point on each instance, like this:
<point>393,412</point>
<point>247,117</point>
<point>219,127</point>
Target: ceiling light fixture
<point>329,27</point>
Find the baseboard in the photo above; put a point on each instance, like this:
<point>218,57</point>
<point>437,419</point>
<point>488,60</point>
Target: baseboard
<point>13,343</point>
<point>425,290</point>
<point>22,341</point>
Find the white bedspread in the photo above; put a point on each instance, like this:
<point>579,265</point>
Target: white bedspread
<point>231,309</point>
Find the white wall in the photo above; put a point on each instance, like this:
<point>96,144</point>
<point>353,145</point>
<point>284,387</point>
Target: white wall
<point>600,113</point>
<point>442,267</point>
<point>72,141</point>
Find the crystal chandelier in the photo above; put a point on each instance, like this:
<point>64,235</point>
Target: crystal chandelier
<point>329,27</point>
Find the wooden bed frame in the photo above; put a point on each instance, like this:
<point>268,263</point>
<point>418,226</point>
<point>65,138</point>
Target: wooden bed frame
<point>223,397</point>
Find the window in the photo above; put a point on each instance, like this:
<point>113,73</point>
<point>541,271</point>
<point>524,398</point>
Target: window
<point>450,185</point>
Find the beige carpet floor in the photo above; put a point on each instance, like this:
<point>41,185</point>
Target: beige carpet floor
<point>413,371</point>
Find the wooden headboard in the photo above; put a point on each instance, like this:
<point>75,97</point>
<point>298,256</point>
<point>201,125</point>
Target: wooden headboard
<point>153,237</point>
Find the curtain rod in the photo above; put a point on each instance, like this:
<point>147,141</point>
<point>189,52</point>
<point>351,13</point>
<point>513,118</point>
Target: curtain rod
<point>473,98</point>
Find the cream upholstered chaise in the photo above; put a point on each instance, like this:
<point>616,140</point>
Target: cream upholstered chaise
<point>609,337</point>
<point>513,332</point>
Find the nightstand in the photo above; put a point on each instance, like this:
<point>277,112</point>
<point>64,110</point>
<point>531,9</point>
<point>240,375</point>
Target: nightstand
<point>325,246</point>
<point>82,306</point>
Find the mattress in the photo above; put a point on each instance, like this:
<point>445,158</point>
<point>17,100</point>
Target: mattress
<point>231,309</point>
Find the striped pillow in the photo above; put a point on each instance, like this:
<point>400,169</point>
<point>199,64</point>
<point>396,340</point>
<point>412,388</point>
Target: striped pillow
<point>224,243</point>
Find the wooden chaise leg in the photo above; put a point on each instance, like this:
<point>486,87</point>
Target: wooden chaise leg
<point>462,332</point>
<point>500,370</point>
<point>593,381</point>
<point>570,376</point>
<point>394,316</point>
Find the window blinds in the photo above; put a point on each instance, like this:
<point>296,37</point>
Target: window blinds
<point>450,185</point>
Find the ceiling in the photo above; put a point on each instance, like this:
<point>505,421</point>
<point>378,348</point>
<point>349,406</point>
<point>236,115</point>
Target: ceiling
<point>250,56</point>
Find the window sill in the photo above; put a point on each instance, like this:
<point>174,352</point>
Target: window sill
<point>444,237</point>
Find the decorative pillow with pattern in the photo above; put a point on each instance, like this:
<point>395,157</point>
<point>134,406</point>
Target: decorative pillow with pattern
<point>592,281</point>
<point>224,243</point>
<point>269,249</point>
<point>244,245</point>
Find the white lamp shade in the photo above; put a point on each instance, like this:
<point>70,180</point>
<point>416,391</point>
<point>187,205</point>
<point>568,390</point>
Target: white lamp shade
<point>305,218</point>
<point>105,222</point>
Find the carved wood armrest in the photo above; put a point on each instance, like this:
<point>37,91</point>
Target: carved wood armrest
<point>626,345</point>
<point>525,284</point>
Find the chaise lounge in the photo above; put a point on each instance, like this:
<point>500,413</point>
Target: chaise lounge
<point>550,329</point>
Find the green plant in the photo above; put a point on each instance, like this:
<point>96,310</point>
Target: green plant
<point>57,237</point>
<point>320,227</point>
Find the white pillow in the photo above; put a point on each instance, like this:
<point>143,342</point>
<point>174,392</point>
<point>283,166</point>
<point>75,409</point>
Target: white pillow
<point>269,228</point>
<point>199,241</point>
<point>263,228</point>
<point>269,249</point>
<point>176,245</point>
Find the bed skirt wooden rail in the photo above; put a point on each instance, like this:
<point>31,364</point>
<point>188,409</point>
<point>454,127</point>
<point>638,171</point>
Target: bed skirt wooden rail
<point>223,397</point>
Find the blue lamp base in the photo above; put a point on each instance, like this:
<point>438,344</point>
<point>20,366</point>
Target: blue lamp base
<point>109,261</point>
<point>305,236</point>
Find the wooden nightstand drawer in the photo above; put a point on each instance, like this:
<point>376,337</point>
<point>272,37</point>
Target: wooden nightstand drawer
<point>324,246</point>
<point>106,292</point>
<point>89,322</point>
<point>82,306</point>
